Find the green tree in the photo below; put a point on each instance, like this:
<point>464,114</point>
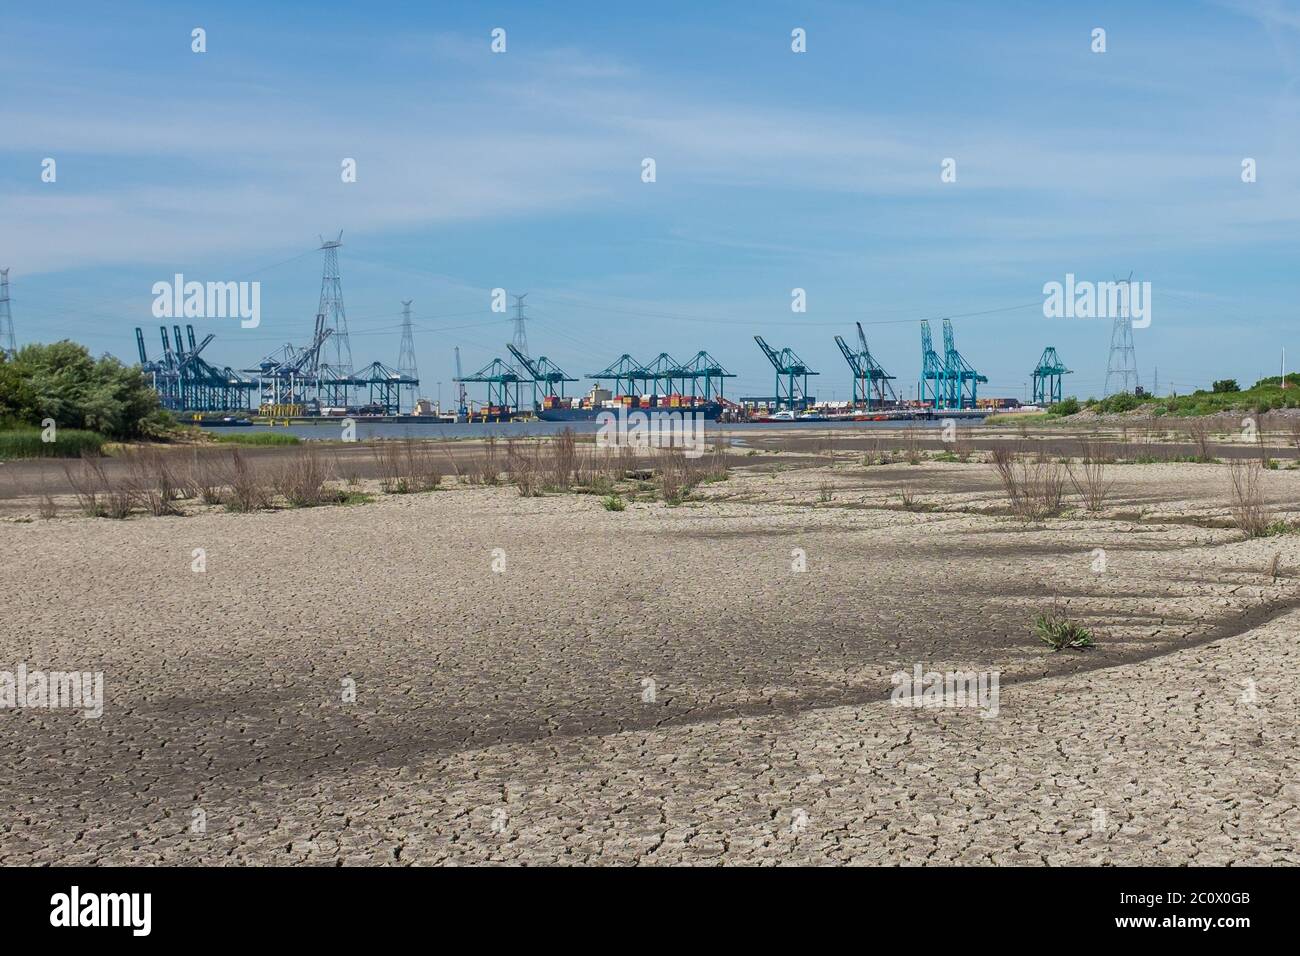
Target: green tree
<point>1226,385</point>
<point>63,382</point>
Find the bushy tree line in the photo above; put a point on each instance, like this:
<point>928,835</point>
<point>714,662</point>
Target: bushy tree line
<point>64,383</point>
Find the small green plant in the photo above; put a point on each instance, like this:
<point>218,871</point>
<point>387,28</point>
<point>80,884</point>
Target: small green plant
<point>257,438</point>
<point>1059,632</point>
<point>825,492</point>
<point>613,503</point>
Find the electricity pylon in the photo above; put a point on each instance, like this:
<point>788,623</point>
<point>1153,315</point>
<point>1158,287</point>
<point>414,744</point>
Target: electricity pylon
<point>331,307</point>
<point>406,355</point>
<point>1121,366</point>
<point>8,344</point>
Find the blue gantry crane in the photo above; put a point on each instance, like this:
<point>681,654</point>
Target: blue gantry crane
<point>185,381</point>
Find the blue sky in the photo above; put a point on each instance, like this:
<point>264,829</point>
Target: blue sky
<point>775,170</point>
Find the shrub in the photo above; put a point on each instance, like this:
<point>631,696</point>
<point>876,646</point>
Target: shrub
<point>1034,490</point>
<point>1066,406</point>
<point>62,382</point>
<point>613,503</point>
<point>1090,483</point>
<point>1249,512</point>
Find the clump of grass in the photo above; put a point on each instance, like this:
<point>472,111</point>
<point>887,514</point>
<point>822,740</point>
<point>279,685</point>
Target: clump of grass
<point>826,492</point>
<point>1033,489</point>
<point>1090,483</point>
<point>256,438</point>
<point>613,503</point>
<point>248,491</point>
<point>204,478</point>
<point>405,467</point>
<point>300,481</point>
<point>46,507</point>
<point>675,476</point>
<point>1059,633</point>
<point>153,481</point>
<point>563,460</point>
<point>68,443</point>
<point>524,466</point>
<point>913,449</point>
<point>89,484</point>
<point>486,469</point>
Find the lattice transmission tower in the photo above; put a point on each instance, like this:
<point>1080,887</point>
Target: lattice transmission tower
<point>406,355</point>
<point>1121,366</point>
<point>338,348</point>
<point>520,340</point>
<point>8,344</point>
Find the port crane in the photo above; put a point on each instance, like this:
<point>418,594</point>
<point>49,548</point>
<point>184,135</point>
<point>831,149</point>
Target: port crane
<point>1047,378</point>
<point>869,379</point>
<point>544,372</point>
<point>795,372</point>
<point>932,387</point>
<point>462,402</point>
<point>962,380</point>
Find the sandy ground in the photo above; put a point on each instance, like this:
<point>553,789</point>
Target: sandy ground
<point>661,685</point>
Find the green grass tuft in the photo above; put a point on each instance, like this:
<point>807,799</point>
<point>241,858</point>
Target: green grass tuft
<point>68,443</point>
<point>1058,632</point>
<point>257,438</point>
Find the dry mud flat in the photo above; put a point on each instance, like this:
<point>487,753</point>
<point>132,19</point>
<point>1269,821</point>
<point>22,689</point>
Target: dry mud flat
<point>540,680</point>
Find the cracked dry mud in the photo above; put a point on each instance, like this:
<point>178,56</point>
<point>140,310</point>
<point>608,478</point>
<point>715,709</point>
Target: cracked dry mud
<point>500,716</point>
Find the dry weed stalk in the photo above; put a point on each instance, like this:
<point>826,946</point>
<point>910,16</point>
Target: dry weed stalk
<point>1249,511</point>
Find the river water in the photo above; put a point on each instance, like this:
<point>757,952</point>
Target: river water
<point>333,429</point>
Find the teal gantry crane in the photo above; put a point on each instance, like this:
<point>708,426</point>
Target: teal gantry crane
<point>385,385</point>
<point>961,380</point>
<point>624,373</point>
<point>869,379</point>
<point>1047,378</point>
<point>933,385</point>
<point>544,372</point>
<point>705,367</point>
<point>502,383</point>
<point>795,372</point>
